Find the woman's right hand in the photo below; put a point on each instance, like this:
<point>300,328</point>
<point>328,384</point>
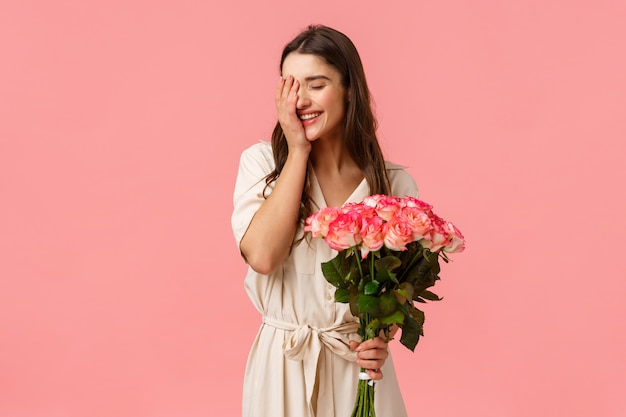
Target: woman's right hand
<point>286,105</point>
<point>269,237</point>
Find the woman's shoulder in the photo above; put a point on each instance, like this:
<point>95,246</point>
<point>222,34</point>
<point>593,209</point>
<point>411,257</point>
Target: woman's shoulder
<point>261,149</point>
<point>259,154</point>
<point>402,183</point>
<point>394,167</point>
<point>396,171</point>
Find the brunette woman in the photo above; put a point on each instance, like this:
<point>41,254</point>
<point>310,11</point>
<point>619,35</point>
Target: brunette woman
<point>324,152</point>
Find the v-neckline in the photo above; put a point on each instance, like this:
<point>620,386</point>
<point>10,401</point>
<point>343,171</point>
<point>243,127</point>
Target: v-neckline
<point>318,196</point>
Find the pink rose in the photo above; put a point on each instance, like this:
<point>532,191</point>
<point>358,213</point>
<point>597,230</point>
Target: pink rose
<point>457,241</point>
<point>318,223</point>
<point>372,200</point>
<point>363,209</point>
<point>419,221</point>
<point>409,201</point>
<point>344,231</point>
<point>398,234</point>
<point>387,206</point>
<point>373,235</point>
<point>438,236</point>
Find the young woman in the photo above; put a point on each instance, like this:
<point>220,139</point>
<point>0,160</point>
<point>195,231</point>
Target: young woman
<point>324,152</point>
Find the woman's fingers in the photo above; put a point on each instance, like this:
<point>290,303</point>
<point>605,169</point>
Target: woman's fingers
<point>371,362</point>
<point>292,96</point>
<point>286,103</point>
<point>287,91</point>
<point>375,343</point>
<point>286,98</point>
<point>291,89</point>
<point>371,356</point>
<point>375,374</point>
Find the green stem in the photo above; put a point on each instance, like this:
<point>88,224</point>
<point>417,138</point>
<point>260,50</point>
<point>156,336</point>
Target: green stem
<point>418,255</point>
<point>364,402</point>
<point>358,261</point>
<point>371,397</point>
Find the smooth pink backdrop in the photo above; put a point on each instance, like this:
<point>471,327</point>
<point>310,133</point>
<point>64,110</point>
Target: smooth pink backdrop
<point>121,125</point>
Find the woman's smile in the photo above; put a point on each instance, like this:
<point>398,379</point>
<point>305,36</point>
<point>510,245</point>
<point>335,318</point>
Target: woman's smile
<point>309,118</point>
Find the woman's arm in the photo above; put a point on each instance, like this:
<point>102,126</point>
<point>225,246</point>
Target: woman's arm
<point>270,234</point>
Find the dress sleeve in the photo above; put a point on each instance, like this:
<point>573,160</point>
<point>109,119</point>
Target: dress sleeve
<point>402,183</point>
<point>255,164</point>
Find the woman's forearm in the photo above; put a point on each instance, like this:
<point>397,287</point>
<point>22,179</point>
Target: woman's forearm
<point>270,235</point>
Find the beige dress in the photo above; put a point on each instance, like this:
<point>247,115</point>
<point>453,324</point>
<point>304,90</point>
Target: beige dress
<point>300,364</point>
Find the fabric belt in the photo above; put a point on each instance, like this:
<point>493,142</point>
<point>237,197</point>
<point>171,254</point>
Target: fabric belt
<point>305,344</point>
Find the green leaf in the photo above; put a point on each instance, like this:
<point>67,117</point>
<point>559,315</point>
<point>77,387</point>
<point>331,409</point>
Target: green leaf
<point>396,318</point>
<point>411,257</point>
<point>418,316</point>
<point>383,275</point>
<point>368,304</point>
<point>342,295</point>
<point>411,331</point>
<point>388,303</point>
<point>424,274</point>
<point>336,271</point>
<point>371,287</point>
<point>431,296</point>
<point>354,308</point>
<point>404,292</point>
<point>388,262</point>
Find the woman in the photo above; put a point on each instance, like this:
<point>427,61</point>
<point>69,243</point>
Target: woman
<point>324,152</point>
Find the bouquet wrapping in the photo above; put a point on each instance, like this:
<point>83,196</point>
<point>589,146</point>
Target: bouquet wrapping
<point>388,258</point>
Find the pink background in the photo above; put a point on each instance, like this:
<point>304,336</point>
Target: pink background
<point>121,125</point>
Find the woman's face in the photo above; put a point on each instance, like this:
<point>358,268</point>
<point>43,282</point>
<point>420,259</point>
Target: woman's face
<point>321,96</point>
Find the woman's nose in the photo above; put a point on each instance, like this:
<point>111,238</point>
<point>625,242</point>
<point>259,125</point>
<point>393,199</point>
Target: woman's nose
<point>303,99</point>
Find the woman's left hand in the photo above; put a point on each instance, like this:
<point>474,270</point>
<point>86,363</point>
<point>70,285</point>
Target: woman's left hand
<point>371,356</point>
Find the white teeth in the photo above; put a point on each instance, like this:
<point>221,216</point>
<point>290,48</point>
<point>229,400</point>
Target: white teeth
<point>308,116</point>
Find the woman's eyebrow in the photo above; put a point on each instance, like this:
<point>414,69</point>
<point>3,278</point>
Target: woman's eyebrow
<point>316,77</point>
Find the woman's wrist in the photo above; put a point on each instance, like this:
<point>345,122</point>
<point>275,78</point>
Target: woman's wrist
<point>298,155</point>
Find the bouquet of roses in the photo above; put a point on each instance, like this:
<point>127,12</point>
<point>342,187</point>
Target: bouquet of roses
<point>389,250</point>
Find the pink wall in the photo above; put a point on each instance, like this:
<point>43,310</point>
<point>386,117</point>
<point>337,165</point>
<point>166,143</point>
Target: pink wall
<point>121,124</point>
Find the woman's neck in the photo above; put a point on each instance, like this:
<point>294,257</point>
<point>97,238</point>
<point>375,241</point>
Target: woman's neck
<point>331,157</point>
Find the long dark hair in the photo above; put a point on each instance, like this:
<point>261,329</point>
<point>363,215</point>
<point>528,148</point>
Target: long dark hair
<point>360,140</point>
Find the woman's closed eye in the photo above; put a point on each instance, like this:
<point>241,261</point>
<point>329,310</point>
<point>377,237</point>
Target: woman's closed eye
<point>317,86</point>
